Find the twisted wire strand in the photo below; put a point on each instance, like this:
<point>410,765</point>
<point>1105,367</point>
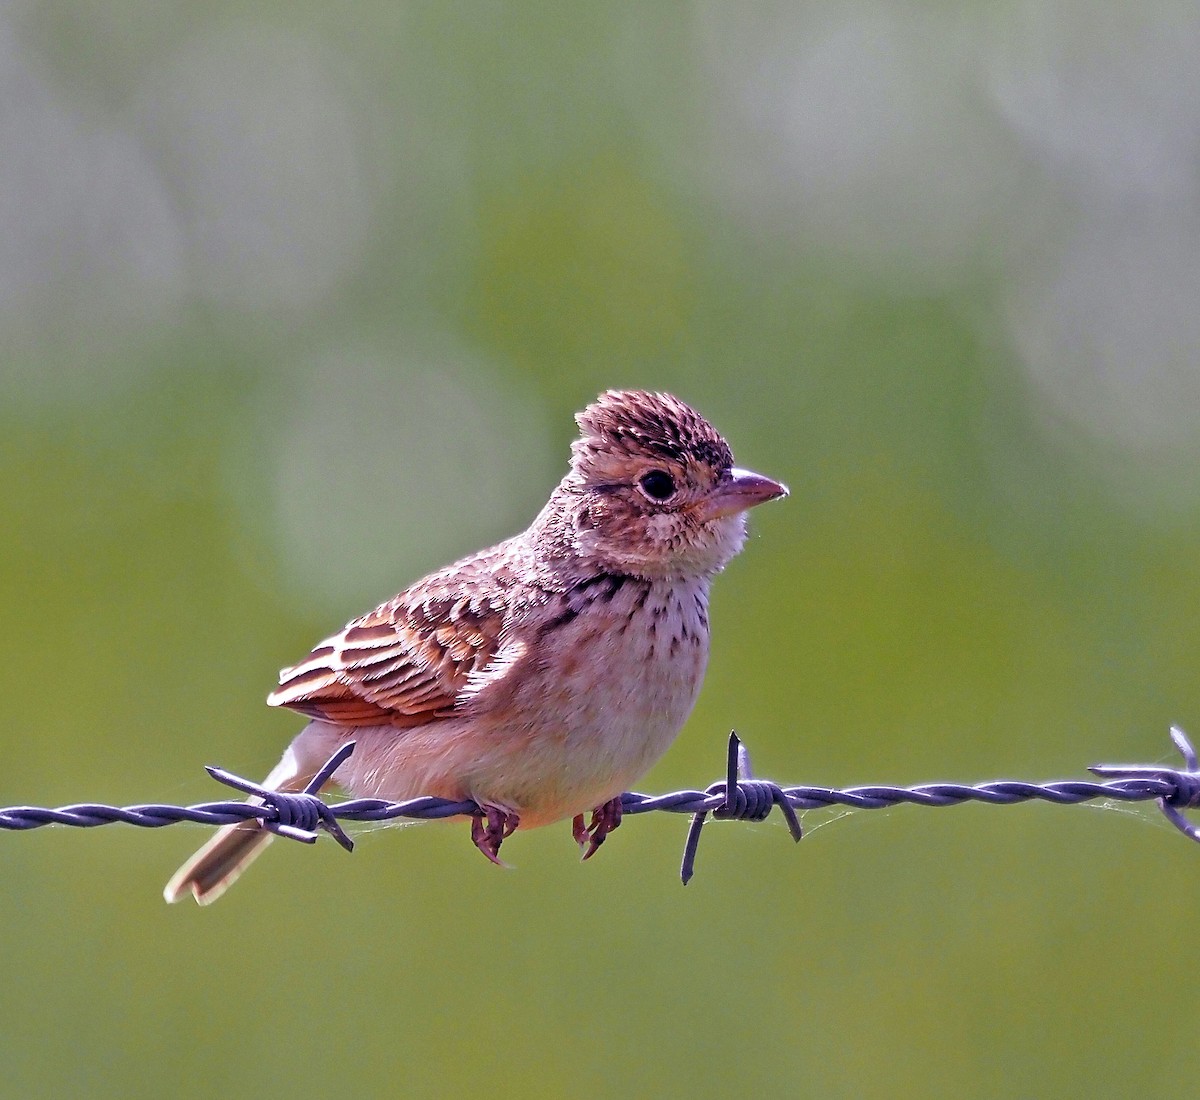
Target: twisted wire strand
<point>303,815</point>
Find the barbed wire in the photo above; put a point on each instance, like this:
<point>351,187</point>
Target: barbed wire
<point>303,815</point>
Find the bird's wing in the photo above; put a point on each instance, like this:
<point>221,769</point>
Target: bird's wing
<point>406,662</point>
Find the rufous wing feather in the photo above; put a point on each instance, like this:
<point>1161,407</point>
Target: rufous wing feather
<point>405,663</point>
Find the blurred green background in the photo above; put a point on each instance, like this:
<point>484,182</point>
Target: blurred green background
<point>296,303</point>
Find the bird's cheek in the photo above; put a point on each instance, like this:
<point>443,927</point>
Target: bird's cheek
<point>661,529</point>
<point>603,520</point>
<point>596,522</point>
<point>602,534</point>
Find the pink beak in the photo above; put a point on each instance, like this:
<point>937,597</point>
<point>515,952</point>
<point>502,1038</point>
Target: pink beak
<point>743,490</point>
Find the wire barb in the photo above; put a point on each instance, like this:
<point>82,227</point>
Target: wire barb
<point>745,799</point>
<point>297,815</point>
<point>1184,787</point>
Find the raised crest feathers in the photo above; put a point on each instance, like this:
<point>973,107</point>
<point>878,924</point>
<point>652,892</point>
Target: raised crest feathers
<point>624,421</point>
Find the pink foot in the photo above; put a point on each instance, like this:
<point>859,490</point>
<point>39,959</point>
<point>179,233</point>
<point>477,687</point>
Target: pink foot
<point>605,818</point>
<point>489,829</point>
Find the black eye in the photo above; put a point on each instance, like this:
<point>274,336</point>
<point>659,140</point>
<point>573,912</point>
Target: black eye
<point>658,485</point>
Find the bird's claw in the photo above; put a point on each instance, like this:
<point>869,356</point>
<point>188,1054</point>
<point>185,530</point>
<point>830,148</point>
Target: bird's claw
<point>488,830</point>
<point>605,819</point>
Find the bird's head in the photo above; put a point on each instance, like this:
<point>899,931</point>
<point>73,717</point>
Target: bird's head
<point>652,490</point>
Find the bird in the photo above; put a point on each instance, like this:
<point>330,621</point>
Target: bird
<point>543,676</point>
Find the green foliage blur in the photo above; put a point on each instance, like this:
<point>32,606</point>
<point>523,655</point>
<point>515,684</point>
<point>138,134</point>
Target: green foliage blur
<point>296,304</point>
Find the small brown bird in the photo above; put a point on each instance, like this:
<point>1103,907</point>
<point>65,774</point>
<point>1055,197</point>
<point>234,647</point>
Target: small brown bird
<point>543,676</point>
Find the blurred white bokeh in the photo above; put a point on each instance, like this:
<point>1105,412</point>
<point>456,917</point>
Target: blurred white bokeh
<point>1105,96</point>
<point>1110,334</point>
<point>239,175</point>
<point>91,257</point>
<point>373,463</point>
<point>261,144</point>
<point>860,131</point>
<point>1104,317</point>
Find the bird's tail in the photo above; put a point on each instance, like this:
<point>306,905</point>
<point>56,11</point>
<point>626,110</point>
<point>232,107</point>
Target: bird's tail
<point>217,865</point>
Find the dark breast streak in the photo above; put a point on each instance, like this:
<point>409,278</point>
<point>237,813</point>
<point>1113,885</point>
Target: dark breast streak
<point>598,590</point>
<point>668,620</point>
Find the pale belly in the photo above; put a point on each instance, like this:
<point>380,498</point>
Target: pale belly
<point>583,714</point>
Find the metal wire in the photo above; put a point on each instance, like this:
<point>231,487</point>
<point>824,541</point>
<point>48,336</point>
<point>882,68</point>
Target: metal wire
<point>303,815</point>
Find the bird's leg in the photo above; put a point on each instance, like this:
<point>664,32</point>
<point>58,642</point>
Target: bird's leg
<point>489,828</point>
<point>605,818</point>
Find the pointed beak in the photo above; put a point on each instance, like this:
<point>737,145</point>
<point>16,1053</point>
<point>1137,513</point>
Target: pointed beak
<point>743,490</point>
